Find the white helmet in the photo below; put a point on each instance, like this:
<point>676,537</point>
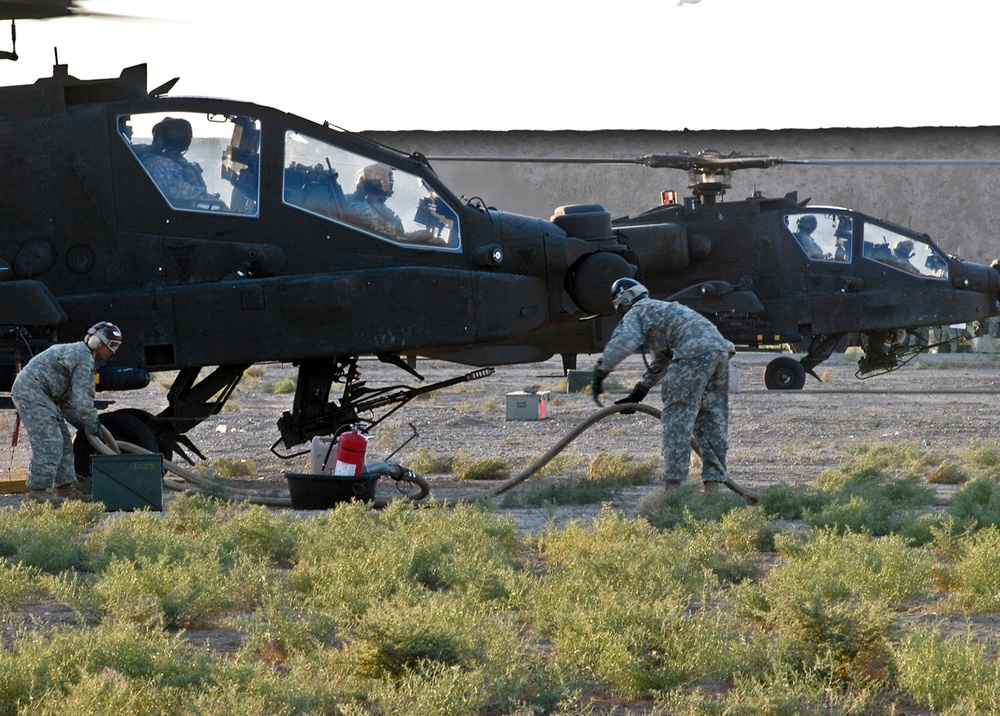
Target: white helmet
<point>625,292</point>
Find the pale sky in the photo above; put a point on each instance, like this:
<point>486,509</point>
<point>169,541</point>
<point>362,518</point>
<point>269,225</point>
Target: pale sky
<point>549,64</point>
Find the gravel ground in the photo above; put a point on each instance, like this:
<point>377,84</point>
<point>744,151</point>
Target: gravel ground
<point>942,402</point>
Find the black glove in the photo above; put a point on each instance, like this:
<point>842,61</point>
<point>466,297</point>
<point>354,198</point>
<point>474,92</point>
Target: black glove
<point>638,393</point>
<point>597,386</point>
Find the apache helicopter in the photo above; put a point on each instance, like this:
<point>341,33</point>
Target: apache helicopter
<point>297,242</point>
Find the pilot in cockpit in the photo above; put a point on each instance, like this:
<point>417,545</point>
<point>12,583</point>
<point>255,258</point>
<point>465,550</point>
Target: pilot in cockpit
<point>366,206</point>
<point>180,180</point>
<point>805,226</point>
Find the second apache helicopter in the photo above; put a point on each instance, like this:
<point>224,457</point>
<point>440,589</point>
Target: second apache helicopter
<point>312,246</point>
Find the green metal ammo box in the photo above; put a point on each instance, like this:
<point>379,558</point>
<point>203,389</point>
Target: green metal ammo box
<point>128,482</point>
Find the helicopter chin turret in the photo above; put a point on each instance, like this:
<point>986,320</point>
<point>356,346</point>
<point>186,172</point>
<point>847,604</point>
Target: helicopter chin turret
<point>589,279</point>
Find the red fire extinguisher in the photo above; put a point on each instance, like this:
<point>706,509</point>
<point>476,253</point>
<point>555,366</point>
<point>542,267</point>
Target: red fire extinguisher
<point>351,447</point>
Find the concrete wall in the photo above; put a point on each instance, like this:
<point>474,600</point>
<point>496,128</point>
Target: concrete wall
<point>956,206</point>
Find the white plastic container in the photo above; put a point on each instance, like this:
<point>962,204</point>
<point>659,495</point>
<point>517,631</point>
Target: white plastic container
<point>321,453</point>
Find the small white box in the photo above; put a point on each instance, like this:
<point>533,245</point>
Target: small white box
<point>528,406</point>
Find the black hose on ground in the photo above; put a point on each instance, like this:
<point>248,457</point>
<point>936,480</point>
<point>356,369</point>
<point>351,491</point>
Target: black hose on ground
<point>204,485</point>
<point>579,429</point>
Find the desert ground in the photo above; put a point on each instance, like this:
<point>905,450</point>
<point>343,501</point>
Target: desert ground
<point>941,402</point>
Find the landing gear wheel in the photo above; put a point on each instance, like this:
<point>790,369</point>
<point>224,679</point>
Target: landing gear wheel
<point>146,418</point>
<point>784,373</point>
<point>123,425</point>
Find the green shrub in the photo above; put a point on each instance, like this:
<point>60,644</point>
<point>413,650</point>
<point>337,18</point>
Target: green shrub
<point>225,467</point>
<point>571,491</point>
<point>17,586</point>
<point>559,463</point>
<point>792,502</point>
<point>281,386</point>
<point>941,673</point>
<point>255,372</point>
<point>353,558</point>
<point>747,530</point>
<point>617,602</point>
<point>977,504</point>
<point>665,510</point>
<point>831,602</point>
<point>878,489</point>
<point>49,666</point>
<point>948,473</point>
<point>424,462</point>
<point>622,467</point>
<point>488,468</point>
<point>977,573</point>
<point>193,592</point>
<point>38,535</point>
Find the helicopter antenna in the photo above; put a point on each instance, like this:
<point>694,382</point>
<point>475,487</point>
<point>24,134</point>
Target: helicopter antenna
<point>12,55</point>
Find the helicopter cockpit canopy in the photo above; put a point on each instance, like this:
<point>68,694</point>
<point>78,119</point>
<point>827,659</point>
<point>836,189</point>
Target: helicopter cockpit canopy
<point>904,252</point>
<point>824,235</point>
<point>352,189</point>
<point>829,234</point>
<point>198,162</point>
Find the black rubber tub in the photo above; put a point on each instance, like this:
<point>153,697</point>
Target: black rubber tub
<point>321,492</point>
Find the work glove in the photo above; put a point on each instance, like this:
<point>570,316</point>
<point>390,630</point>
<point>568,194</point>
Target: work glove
<point>597,386</point>
<point>638,393</point>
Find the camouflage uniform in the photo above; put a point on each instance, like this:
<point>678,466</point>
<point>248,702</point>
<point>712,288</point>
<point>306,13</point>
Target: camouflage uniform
<point>692,359</point>
<point>55,386</point>
<point>180,181</point>
<point>373,215</point>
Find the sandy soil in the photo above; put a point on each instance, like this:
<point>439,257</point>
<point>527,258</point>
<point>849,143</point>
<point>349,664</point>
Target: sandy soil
<point>942,402</point>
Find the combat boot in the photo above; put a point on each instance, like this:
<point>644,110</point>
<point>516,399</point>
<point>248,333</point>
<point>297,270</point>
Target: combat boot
<point>671,485</point>
<point>45,496</point>
<point>711,486</point>
<point>69,492</point>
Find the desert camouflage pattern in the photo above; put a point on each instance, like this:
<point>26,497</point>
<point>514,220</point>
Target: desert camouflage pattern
<point>688,354</point>
<point>54,387</point>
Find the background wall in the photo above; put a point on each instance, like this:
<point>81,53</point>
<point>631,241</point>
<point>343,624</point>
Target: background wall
<point>956,206</point>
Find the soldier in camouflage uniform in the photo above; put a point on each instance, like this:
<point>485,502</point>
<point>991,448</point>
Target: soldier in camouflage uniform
<point>691,357</point>
<point>366,206</point>
<point>180,180</point>
<point>54,387</point>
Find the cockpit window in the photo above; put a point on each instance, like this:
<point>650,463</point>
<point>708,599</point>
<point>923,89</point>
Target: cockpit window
<point>823,236</point>
<point>198,162</point>
<point>372,196</point>
<point>903,252</point>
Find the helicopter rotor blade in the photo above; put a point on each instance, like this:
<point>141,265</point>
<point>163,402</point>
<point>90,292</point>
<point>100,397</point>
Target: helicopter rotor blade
<point>712,161</point>
<point>52,9</point>
<point>894,162</point>
<point>535,160</point>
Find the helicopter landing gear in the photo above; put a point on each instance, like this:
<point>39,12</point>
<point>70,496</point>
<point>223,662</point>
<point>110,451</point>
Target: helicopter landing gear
<point>784,373</point>
<point>123,425</point>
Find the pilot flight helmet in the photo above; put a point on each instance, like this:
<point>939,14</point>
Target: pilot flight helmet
<point>172,133</point>
<point>104,333</point>
<point>807,223</point>
<point>625,292</point>
<point>374,178</point>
